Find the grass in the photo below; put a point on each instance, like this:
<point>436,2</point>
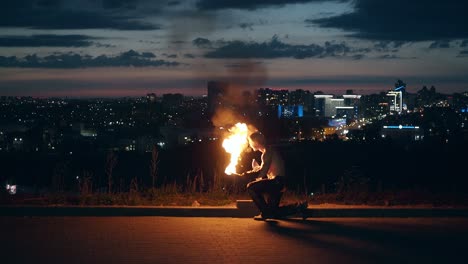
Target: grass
<point>173,195</point>
<point>161,198</point>
<point>393,198</point>
<point>164,196</point>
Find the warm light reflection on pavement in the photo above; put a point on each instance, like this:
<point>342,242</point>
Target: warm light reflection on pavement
<point>221,240</point>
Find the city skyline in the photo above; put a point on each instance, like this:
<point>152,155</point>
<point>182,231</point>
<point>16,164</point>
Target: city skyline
<point>116,48</point>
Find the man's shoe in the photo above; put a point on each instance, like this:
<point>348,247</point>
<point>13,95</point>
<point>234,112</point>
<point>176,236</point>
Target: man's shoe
<point>259,217</point>
<point>263,217</point>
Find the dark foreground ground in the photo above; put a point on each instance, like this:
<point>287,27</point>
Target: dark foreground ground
<point>232,240</point>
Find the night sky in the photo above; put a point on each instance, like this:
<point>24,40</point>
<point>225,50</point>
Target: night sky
<point>114,48</point>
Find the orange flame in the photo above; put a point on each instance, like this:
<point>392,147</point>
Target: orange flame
<point>234,144</point>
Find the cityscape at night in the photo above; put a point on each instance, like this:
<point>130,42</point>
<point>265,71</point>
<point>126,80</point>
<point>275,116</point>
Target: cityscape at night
<point>69,138</point>
<point>231,131</point>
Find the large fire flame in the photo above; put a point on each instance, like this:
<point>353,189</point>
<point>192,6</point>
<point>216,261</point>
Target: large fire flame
<point>234,144</point>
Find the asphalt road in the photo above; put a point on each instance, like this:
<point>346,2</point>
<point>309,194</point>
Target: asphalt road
<point>232,240</point>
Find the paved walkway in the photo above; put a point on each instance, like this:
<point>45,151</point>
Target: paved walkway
<point>242,210</point>
<point>231,240</point>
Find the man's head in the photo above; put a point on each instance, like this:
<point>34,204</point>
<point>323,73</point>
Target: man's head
<point>257,140</point>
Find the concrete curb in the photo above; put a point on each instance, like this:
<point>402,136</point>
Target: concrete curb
<point>24,211</point>
<point>121,211</point>
<point>389,212</point>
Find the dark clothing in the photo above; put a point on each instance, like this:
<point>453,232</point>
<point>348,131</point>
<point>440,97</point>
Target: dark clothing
<point>266,194</point>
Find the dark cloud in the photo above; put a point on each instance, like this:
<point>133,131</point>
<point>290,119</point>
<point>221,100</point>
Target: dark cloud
<point>50,14</point>
<point>361,50</point>
<point>171,56</point>
<point>248,26</point>
<point>115,4</point>
<point>46,41</point>
<point>402,20</point>
<point>358,57</point>
<point>464,43</point>
<point>148,55</point>
<point>173,3</point>
<point>277,49</point>
<point>242,65</point>
<point>440,44</point>
<point>149,41</point>
<point>104,45</point>
<point>189,56</point>
<point>388,57</point>
<point>201,42</point>
<point>135,54</point>
<point>48,3</point>
<point>463,54</point>
<point>388,46</point>
<point>72,60</point>
<point>186,21</point>
<point>248,4</point>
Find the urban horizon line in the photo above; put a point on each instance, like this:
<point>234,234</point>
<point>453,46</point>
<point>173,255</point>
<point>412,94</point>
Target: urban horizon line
<point>145,94</point>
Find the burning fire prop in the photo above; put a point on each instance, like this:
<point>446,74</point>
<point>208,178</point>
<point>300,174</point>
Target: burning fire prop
<point>234,144</point>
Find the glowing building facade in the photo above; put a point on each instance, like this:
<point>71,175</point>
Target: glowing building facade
<point>327,106</point>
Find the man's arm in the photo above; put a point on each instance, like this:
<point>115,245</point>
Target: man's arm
<point>267,158</point>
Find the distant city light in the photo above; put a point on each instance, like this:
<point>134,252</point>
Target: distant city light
<point>11,189</point>
<point>399,88</point>
<point>401,127</point>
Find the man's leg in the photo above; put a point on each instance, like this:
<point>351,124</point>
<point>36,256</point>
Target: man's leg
<point>256,190</point>
<point>273,201</point>
<point>275,192</point>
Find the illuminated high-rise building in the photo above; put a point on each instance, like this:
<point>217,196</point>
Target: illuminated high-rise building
<point>328,106</point>
<point>301,97</point>
<point>320,103</point>
<point>151,97</point>
<point>396,103</point>
<point>269,97</point>
<point>352,105</point>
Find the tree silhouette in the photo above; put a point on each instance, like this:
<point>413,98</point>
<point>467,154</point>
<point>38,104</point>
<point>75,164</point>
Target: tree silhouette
<point>154,165</point>
<point>111,162</point>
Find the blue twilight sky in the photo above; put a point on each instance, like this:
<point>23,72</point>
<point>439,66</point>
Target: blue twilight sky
<point>88,48</point>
